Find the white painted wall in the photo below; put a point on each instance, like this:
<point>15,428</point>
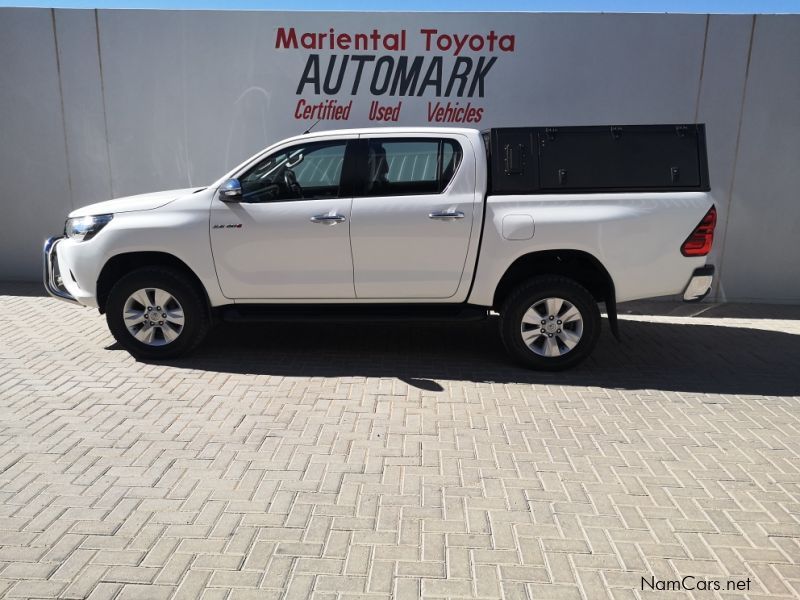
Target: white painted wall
<point>99,104</point>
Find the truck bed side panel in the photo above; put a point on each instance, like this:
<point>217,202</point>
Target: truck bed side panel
<point>635,236</point>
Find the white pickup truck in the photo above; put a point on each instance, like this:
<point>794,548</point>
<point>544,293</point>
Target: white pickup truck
<point>536,224</point>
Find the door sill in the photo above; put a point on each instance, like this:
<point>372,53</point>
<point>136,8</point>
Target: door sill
<point>260,313</point>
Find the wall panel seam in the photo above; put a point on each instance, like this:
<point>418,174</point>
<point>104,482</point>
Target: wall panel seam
<point>735,160</point>
<point>702,71</point>
<point>103,97</point>
<point>61,103</point>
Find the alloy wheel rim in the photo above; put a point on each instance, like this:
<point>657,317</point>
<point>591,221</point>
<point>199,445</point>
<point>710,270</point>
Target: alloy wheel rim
<point>153,316</point>
<point>551,327</point>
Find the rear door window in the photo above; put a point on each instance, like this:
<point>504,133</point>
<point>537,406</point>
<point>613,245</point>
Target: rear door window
<point>401,167</point>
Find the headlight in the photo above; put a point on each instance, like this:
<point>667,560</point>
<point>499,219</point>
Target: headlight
<point>81,229</point>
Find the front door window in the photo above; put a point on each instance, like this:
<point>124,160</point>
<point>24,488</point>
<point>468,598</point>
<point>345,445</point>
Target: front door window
<point>304,172</point>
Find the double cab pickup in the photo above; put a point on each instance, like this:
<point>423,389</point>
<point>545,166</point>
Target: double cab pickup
<point>537,224</point>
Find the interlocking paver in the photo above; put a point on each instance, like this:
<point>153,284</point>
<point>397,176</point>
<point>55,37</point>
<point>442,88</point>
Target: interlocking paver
<point>288,461</point>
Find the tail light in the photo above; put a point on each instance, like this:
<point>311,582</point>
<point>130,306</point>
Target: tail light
<point>701,239</point>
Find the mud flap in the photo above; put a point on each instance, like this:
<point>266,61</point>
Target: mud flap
<point>613,322</point>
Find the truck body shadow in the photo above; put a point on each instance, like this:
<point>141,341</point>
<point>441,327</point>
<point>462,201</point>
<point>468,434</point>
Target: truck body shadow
<point>702,359</point>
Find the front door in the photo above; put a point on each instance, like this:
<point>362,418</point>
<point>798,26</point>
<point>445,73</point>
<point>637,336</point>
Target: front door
<point>412,217</point>
<point>289,237</point>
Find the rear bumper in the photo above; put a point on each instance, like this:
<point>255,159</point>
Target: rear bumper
<point>53,282</point>
<point>699,284</point>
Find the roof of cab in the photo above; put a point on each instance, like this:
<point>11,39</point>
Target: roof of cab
<point>387,131</point>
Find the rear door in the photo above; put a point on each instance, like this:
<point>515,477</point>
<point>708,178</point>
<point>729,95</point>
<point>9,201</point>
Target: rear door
<point>412,216</point>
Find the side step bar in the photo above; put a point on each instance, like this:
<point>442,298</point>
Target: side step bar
<point>265,313</point>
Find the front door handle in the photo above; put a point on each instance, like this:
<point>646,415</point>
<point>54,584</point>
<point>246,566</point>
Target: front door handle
<point>328,219</point>
<point>446,215</point>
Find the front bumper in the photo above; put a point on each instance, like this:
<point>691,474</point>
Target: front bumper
<point>53,281</point>
<point>699,284</point>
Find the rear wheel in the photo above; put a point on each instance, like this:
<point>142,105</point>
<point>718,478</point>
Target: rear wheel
<point>550,323</point>
<point>157,313</point>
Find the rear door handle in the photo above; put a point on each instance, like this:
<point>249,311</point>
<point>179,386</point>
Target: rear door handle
<point>446,215</point>
<point>328,219</point>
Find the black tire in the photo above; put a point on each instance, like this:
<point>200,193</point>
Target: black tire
<point>527,295</point>
<point>183,289</point>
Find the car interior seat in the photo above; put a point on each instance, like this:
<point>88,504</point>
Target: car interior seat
<point>378,169</point>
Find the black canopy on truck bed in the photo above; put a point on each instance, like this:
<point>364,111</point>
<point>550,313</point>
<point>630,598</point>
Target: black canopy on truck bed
<point>583,159</point>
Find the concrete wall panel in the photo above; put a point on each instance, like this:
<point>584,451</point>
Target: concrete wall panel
<point>84,112</point>
<point>34,182</point>
<point>761,256</point>
<point>210,88</point>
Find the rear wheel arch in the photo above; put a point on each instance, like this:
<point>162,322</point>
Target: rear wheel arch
<point>120,265</point>
<point>580,266</point>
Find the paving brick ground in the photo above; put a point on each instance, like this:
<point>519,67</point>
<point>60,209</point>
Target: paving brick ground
<point>395,461</point>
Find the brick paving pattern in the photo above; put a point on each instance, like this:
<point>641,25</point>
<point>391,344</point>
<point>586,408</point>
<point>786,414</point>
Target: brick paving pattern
<point>396,461</point>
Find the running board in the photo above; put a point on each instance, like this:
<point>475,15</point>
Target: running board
<point>265,313</point>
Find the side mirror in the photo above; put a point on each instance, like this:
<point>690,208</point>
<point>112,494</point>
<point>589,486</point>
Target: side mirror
<point>230,191</point>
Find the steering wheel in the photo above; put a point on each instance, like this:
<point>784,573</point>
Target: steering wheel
<point>290,181</point>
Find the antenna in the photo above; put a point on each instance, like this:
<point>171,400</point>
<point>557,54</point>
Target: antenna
<point>312,127</point>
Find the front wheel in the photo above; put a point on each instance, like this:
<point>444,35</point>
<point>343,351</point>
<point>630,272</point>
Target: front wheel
<point>550,323</point>
<point>157,313</point>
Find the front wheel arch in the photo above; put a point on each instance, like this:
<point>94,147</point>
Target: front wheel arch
<point>120,265</point>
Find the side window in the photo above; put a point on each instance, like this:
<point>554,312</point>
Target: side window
<point>303,172</point>
<point>399,167</point>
